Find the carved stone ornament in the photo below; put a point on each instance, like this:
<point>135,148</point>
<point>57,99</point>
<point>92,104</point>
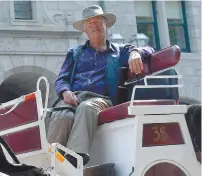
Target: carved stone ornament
<point>58,18</point>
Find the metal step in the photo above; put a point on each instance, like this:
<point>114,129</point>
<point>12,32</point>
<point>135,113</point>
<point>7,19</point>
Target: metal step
<point>100,170</point>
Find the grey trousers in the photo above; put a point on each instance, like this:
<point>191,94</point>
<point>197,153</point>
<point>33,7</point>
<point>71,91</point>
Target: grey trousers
<point>76,130</point>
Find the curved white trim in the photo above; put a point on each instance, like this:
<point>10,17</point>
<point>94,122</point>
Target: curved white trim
<point>165,161</point>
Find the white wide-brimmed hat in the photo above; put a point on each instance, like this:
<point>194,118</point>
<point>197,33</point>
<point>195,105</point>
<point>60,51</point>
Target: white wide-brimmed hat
<point>93,11</point>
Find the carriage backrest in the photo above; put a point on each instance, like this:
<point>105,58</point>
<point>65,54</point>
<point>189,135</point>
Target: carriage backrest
<point>22,128</point>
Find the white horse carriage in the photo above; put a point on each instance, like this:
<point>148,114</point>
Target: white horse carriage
<point>135,138</point>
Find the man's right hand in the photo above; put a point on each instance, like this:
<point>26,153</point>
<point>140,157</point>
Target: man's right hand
<point>70,98</point>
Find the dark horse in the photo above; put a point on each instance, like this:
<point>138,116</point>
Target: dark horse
<point>8,169</point>
<point>193,119</point>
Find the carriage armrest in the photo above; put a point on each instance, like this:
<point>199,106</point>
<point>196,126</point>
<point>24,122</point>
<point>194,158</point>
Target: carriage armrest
<point>158,61</point>
<point>165,58</point>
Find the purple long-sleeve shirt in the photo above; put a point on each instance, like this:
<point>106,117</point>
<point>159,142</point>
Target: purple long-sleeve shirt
<point>90,68</point>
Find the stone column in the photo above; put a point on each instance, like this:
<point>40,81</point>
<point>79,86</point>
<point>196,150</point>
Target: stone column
<point>162,24</point>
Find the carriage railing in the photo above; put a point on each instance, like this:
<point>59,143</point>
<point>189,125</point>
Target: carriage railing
<point>146,86</point>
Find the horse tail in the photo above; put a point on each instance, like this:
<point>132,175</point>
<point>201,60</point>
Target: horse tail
<point>193,119</point>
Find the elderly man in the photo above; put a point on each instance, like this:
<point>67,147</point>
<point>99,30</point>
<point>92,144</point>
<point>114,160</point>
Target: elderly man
<point>88,81</point>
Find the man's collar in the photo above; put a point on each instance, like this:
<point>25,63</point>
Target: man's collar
<point>109,45</point>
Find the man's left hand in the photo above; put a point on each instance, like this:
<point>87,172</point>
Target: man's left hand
<point>135,62</point>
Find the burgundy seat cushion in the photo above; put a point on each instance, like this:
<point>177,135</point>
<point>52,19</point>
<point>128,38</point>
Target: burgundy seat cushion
<point>119,112</point>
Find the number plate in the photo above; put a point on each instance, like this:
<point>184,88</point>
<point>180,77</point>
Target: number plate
<point>157,134</point>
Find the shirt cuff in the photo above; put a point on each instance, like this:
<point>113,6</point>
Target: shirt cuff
<point>133,53</point>
<point>67,88</point>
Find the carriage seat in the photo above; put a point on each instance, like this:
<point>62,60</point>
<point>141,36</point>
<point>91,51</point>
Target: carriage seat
<point>119,112</point>
<point>158,61</point>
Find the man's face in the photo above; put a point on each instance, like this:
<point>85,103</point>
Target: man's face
<point>95,28</point>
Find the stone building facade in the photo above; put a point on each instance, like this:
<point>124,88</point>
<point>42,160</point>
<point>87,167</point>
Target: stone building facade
<point>36,44</point>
